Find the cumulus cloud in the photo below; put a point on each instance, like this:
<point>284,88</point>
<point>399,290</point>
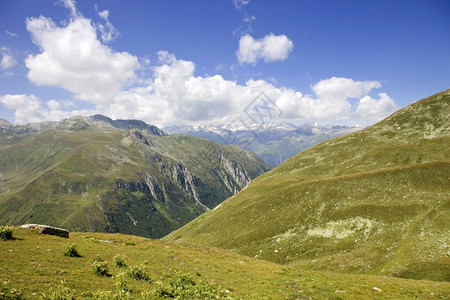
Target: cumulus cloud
<point>7,62</point>
<point>269,48</point>
<point>29,108</point>
<point>376,109</point>
<point>344,87</point>
<point>175,93</point>
<point>74,59</point>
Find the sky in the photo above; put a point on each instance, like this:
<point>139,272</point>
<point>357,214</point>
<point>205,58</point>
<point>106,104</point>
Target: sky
<point>172,62</point>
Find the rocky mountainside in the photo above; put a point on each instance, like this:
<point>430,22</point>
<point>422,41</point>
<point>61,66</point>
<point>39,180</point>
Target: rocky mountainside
<point>272,142</point>
<point>374,202</point>
<point>96,174</point>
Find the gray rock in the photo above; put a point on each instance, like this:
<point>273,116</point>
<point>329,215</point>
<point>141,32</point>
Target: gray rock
<point>45,229</point>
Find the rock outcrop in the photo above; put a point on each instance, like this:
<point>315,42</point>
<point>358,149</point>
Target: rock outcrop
<point>50,230</point>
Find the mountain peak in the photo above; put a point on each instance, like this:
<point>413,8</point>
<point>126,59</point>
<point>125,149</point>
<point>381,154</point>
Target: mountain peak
<point>129,124</point>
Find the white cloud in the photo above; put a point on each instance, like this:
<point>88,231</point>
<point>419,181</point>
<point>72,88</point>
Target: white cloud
<point>249,19</point>
<point>376,109</point>
<point>7,62</point>
<point>175,95</point>
<point>238,4</point>
<point>71,5</point>
<point>219,67</point>
<point>344,87</point>
<point>53,104</point>
<point>10,33</point>
<point>270,48</point>
<point>27,108</point>
<point>108,31</point>
<point>74,59</point>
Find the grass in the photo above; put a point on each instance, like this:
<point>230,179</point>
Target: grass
<point>33,265</point>
<point>372,202</point>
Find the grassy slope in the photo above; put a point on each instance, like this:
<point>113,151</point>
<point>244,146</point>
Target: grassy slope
<point>376,201</point>
<point>34,263</point>
<point>66,174</point>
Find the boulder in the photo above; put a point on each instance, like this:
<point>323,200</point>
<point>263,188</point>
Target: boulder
<point>45,229</point>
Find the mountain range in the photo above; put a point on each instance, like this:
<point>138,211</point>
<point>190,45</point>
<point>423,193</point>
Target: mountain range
<point>374,202</point>
<point>340,220</point>
<point>98,174</point>
<point>272,142</point>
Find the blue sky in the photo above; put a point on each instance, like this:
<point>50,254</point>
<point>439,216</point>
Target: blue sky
<point>169,62</point>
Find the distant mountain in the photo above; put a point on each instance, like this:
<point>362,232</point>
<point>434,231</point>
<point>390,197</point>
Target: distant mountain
<point>98,174</point>
<point>272,142</point>
<point>376,201</point>
<point>129,124</point>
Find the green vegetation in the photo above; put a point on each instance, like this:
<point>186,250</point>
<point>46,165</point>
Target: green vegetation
<point>31,269</point>
<point>5,233</point>
<point>71,251</point>
<point>119,261</point>
<point>184,287</point>
<point>100,267</point>
<point>138,273</point>
<point>86,175</point>
<point>372,202</point>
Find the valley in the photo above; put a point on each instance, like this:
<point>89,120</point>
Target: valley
<point>372,202</point>
<point>362,216</point>
<point>96,174</point>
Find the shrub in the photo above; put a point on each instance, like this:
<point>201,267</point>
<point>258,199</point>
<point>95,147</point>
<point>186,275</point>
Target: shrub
<point>119,261</point>
<point>71,251</point>
<point>62,292</point>
<point>100,268</point>
<point>6,233</point>
<point>130,243</point>
<point>7,293</point>
<point>138,273</point>
<point>184,287</point>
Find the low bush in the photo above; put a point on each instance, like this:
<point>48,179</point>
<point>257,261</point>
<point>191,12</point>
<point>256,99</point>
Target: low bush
<point>61,292</point>
<point>100,268</point>
<point>119,261</point>
<point>183,286</point>
<point>138,273</point>
<point>121,284</point>
<point>71,251</point>
<point>6,233</point>
<point>9,293</point>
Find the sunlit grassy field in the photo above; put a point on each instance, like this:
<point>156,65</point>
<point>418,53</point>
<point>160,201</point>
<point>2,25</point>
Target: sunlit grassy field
<point>35,265</point>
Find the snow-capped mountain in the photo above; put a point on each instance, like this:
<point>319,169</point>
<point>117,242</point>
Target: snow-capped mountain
<point>272,142</point>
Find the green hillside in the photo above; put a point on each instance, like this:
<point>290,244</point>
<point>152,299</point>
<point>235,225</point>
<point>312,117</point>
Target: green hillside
<point>33,266</point>
<point>90,174</point>
<point>374,202</point>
